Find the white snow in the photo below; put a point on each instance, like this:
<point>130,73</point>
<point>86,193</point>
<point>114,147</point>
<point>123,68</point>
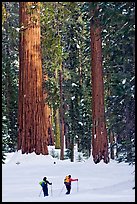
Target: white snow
<point>72,98</point>
<point>100,182</point>
<point>80,123</point>
<point>124,81</point>
<point>73,84</point>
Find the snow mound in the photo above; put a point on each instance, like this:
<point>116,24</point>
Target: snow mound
<point>31,158</point>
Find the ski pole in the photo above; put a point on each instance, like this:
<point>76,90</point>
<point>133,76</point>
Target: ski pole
<point>61,190</point>
<point>77,186</point>
<point>40,193</point>
<point>51,190</point>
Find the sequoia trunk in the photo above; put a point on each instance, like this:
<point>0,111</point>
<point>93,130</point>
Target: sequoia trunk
<point>99,132</point>
<point>32,135</point>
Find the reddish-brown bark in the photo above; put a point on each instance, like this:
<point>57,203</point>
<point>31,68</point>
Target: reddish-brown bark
<point>99,132</point>
<point>32,135</point>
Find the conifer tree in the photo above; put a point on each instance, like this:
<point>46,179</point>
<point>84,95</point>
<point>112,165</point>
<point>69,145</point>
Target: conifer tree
<point>9,75</point>
<point>99,131</point>
<point>32,135</point>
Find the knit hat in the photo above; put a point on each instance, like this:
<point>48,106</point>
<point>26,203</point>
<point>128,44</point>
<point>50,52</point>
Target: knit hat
<point>45,178</point>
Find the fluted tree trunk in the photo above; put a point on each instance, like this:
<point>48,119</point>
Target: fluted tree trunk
<point>32,135</point>
<point>99,132</point>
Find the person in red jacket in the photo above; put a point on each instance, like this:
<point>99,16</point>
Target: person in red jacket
<point>67,183</point>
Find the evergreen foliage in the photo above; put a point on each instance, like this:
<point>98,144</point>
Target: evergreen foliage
<point>119,58</point>
<point>9,76</point>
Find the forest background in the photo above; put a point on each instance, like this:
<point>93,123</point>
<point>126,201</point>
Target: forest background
<point>66,60</point>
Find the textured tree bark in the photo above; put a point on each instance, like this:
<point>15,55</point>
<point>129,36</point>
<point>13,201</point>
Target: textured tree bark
<point>99,132</point>
<point>32,135</point>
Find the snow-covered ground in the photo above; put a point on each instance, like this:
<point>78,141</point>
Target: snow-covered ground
<point>100,182</point>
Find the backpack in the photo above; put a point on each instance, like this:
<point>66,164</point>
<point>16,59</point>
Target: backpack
<point>42,183</point>
<point>66,180</point>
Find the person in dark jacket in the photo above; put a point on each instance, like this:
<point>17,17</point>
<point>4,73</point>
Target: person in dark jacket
<point>44,185</point>
<point>67,183</point>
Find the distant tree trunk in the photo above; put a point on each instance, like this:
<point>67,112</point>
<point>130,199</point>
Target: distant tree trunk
<point>71,147</point>
<point>61,117</point>
<point>112,142</point>
<point>72,136</point>
<point>116,146</point>
<point>49,125</point>
<point>57,120</point>
<point>50,131</point>
<point>57,129</point>
<point>32,135</point>
<point>99,132</point>
<point>48,122</point>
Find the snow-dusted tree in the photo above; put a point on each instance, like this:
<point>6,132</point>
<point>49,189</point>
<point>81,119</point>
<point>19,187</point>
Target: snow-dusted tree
<point>32,135</point>
<point>9,75</point>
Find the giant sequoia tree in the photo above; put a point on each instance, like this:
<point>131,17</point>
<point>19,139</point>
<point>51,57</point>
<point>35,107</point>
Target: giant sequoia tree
<point>32,135</point>
<point>99,132</point>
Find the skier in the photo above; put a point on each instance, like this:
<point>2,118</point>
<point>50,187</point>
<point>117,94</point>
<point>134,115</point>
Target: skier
<point>44,185</point>
<point>67,182</point>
